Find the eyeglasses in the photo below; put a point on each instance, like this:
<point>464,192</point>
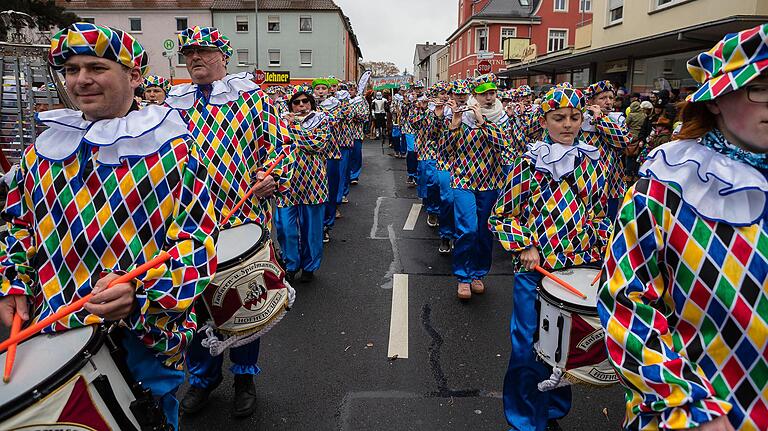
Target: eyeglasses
<point>298,102</point>
<point>757,93</point>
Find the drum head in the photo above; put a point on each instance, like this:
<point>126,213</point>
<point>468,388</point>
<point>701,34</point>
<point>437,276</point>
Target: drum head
<point>579,277</point>
<point>238,243</point>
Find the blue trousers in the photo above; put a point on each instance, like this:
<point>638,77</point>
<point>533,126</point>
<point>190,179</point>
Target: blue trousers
<point>410,158</point>
<point>205,370</point>
<point>613,208</point>
<point>398,141</point>
<point>474,242</point>
<point>344,171</point>
<point>525,407</point>
<point>300,232</point>
<point>162,381</point>
<point>447,224</point>
<point>429,186</point>
<point>332,176</point>
<point>356,165</point>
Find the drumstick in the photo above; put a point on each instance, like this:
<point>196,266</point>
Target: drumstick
<point>77,305</point>
<point>597,277</point>
<point>557,280</point>
<point>253,189</point>
<point>11,356</point>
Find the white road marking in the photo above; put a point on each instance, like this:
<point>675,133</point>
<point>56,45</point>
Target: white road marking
<point>413,217</point>
<point>375,227</point>
<point>398,322</point>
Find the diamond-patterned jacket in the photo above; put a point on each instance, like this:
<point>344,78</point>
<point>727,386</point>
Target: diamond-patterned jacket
<point>358,118</point>
<point>335,136</point>
<point>426,125</point>
<point>475,156</point>
<point>611,136</point>
<point>73,218</point>
<point>307,170</point>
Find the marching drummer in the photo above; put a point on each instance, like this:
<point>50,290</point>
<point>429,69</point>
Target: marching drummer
<point>683,300</point>
<point>88,203</point>
<point>156,89</point>
<point>239,133</point>
<point>555,173</point>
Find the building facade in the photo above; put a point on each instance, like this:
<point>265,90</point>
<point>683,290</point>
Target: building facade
<point>237,20</point>
<point>441,58</point>
<point>425,62</point>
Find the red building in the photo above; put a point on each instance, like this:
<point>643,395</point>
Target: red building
<point>484,25</point>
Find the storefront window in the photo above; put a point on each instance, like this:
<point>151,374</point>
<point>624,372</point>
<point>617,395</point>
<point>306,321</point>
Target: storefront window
<point>581,78</point>
<point>659,73</point>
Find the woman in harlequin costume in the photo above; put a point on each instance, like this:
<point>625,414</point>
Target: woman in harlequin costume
<point>83,191</point>
<point>524,126</point>
<point>358,132</point>
<point>606,130</point>
<point>475,145</point>
<point>301,209</point>
<point>409,131</point>
<point>277,95</point>
<point>156,89</point>
<point>354,112</point>
<point>238,133</point>
<point>425,124</point>
<point>331,106</point>
<point>558,172</point>
<point>398,122</point>
<point>684,292</point>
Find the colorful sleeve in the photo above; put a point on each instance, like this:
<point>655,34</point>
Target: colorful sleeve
<point>598,205</point>
<point>312,141</point>
<point>634,305</point>
<point>497,136</point>
<point>359,112</point>
<point>273,138</point>
<point>614,131</point>
<point>18,248</point>
<point>506,221</point>
<point>190,240</point>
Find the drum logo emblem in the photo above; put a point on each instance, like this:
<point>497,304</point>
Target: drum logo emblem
<point>255,295</point>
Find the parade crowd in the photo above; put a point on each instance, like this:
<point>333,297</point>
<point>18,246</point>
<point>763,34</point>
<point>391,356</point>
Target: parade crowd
<point>664,199</point>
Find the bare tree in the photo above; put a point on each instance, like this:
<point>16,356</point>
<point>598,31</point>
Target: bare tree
<point>28,21</point>
<point>381,68</point>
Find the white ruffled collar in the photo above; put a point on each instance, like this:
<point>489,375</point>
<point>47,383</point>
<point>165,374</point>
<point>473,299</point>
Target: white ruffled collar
<point>330,103</point>
<point>717,187</point>
<point>225,90</point>
<point>559,160</point>
<point>138,134</point>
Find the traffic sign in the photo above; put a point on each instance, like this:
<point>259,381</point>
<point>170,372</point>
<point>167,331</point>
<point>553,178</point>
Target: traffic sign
<point>484,67</point>
<point>259,76</point>
<point>485,55</point>
<point>169,44</point>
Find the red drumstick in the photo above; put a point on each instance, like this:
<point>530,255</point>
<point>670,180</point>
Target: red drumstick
<point>253,189</point>
<point>557,280</point>
<point>11,356</point>
<point>77,305</point>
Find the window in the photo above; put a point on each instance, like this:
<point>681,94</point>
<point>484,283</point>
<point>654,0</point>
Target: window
<point>135,25</point>
<point>525,2</point>
<point>241,23</point>
<point>274,57</point>
<point>615,11</point>
<point>561,5</point>
<point>182,60</point>
<point>461,46</point>
<point>469,42</point>
<point>305,57</point>
<point>507,33</point>
<point>242,57</point>
<point>181,23</point>
<point>557,40</point>
<point>88,19</point>
<point>305,24</point>
<point>585,5</point>
<point>661,4</point>
<point>273,24</point>
<point>482,39</point>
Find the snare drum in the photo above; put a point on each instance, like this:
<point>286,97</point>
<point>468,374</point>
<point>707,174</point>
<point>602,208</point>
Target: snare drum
<point>66,380</point>
<point>249,288</point>
<point>570,335</point>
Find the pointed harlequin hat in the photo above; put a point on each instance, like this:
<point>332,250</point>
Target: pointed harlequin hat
<point>84,38</point>
<point>205,37</point>
<point>157,81</point>
<point>460,86</point>
<point>484,83</point>
<point>302,88</point>
<point>731,64</point>
<point>559,97</point>
<point>599,87</point>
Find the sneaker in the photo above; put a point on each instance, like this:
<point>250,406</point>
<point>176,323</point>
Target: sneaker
<point>338,214</point>
<point>306,276</point>
<point>196,398</point>
<point>445,246</point>
<point>411,182</point>
<point>245,396</point>
<point>290,276</point>
<point>432,220</point>
<point>326,236</point>
<point>344,200</point>
<point>354,182</point>
<point>463,291</point>
<point>477,287</point>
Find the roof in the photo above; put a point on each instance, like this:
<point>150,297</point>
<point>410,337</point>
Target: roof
<point>506,9</point>
<point>233,5</point>
<point>134,4</point>
<point>423,50</point>
<point>297,5</point>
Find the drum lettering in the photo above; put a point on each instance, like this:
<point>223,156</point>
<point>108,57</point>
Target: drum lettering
<point>594,337</point>
<point>249,269</point>
<point>603,376</point>
<point>263,315</point>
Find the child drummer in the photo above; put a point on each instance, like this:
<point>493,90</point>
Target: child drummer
<point>551,212</point>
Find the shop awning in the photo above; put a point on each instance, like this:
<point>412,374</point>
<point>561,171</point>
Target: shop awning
<point>701,36</point>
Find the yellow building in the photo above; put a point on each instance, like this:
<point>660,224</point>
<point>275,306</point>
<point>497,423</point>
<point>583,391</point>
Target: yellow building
<point>643,45</point>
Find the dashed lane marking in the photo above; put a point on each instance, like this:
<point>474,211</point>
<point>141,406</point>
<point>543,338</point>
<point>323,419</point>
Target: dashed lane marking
<point>413,217</point>
<point>398,322</point>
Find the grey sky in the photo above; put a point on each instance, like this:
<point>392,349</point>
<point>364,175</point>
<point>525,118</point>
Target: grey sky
<point>388,30</point>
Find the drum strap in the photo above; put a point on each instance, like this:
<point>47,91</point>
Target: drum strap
<point>104,389</point>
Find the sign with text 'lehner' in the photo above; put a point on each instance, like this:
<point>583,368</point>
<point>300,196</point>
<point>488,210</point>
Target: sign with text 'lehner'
<point>277,77</point>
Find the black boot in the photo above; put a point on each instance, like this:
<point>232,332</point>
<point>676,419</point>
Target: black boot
<point>307,276</point>
<point>290,276</point>
<point>196,398</point>
<point>245,396</point>
<point>552,425</point>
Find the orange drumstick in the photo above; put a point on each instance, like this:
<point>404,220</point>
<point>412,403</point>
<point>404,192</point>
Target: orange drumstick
<point>557,280</point>
<point>11,356</point>
<point>253,189</point>
<point>597,277</point>
<point>77,305</point>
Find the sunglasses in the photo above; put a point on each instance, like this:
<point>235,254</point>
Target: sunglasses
<point>298,102</point>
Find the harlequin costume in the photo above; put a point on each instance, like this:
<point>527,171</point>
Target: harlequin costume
<point>157,81</point>
<point>354,112</point>
<point>302,208</point>
<point>398,136</point>
<point>554,200</point>
<point>425,124</point>
<point>498,116</point>
<point>86,199</point>
<point>281,103</point>
<point>684,292</point>
<point>609,133</point>
<point>332,109</point>
<point>475,160</point>
<point>409,131</point>
<point>524,126</point>
<point>238,133</point>
<point>358,134</point>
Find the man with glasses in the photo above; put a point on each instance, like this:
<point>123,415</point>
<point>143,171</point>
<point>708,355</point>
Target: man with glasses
<point>239,133</point>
